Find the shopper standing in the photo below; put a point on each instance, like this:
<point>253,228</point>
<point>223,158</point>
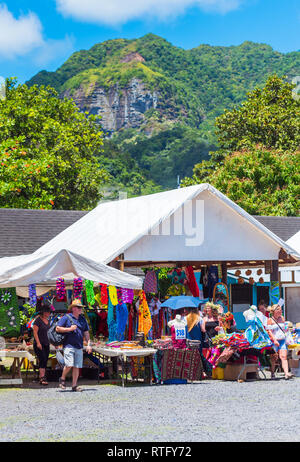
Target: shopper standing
<point>277,332</point>
<point>41,343</point>
<point>77,329</point>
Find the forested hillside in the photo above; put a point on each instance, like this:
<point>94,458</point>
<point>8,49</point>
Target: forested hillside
<point>158,102</point>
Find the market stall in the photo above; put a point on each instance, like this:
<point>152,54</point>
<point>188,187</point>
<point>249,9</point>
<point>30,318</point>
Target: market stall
<point>60,277</point>
<point>183,240</point>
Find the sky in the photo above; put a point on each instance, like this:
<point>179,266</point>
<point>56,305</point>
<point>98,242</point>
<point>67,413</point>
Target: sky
<point>36,35</point>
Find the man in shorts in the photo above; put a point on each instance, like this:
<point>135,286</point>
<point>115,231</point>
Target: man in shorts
<point>76,327</point>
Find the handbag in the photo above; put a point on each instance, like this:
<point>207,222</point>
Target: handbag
<point>57,338</point>
<point>287,336</point>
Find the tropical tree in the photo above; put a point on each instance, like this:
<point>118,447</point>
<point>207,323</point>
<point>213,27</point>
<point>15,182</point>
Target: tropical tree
<point>258,162</point>
<point>47,151</point>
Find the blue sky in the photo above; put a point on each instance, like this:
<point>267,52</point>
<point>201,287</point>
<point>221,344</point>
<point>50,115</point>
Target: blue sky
<point>36,35</point>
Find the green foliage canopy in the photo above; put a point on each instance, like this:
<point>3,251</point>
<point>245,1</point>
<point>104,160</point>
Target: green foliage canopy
<point>258,165</point>
<point>47,151</point>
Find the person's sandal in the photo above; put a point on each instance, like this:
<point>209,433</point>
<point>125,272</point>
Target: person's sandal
<point>76,388</point>
<point>62,384</point>
<point>43,381</point>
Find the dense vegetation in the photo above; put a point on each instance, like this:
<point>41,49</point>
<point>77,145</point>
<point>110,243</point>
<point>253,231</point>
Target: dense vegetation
<point>258,163</point>
<point>47,151</point>
<point>195,86</point>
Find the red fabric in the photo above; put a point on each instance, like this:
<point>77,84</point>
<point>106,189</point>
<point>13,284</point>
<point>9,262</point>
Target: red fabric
<point>102,327</point>
<point>130,326</point>
<point>192,283</point>
<point>104,294</point>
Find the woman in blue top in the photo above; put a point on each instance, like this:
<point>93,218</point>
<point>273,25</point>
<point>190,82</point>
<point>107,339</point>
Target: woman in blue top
<point>195,325</point>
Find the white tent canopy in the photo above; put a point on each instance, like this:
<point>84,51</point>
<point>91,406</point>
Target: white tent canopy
<point>43,268</point>
<point>197,223</point>
<point>294,242</point>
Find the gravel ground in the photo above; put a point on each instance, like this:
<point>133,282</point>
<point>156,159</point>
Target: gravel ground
<point>206,411</point>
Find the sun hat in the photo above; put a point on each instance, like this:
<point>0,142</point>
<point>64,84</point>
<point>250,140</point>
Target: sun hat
<point>76,302</point>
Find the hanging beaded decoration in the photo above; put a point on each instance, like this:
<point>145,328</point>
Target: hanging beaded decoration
<point>32,295</point>
<point>77,287</point>
<point>60,290</point>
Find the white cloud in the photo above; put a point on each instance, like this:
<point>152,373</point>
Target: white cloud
<point>51,50</point>
<point>23,36</point>
<point>18,36</point>
<point>120,11</point>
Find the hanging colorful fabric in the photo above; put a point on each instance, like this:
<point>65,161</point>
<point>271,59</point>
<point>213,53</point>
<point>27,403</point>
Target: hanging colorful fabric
<point>32,295</point>
<point>111,323</point>
<point>145,321</point>
<point>192,283</point>
<point>274,292</point>
<point>77,288</point>
<point>61,290</point>
<point>9,313</point>
<point>104,294</point>
<point>127,295</point>
<point>150,282</point>
<point>121,321</point>
<point>89,290</point>
<point>119,295</point>
<point>113,295</point>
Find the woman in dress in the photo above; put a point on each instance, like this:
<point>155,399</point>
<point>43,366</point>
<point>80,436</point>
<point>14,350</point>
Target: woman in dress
<point>277,332</point>
<point>41,342</point>
<point>211,320</point>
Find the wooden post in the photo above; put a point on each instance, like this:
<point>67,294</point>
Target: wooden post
<point>121,262</point>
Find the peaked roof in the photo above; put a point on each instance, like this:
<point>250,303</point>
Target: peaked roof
<point>23,230</point>
<point>294,241</point>
<point>283,227</point>
<point>113,227</point>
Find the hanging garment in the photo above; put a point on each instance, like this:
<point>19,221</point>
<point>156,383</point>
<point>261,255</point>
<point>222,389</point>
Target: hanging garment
<point>192,283</point>
<point>104,294</point>
<point>127,295</point>
<point>204,281</point>
<point>111,323</point>
<point>90,294</point>
<point>150,282</point>
<point>145,321</point>
<point>121,321</point>
<point>119,295</point>
<point>9,313</point>
<point>213,278</point>
<point>93,320</point>
<point>102,328</point>
<point>177,276</point>
<point>113,297</point>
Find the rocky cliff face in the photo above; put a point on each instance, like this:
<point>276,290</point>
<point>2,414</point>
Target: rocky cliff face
<point>118,107</point>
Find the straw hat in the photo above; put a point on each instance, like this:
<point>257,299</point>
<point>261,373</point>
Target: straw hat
<point>76,302</point>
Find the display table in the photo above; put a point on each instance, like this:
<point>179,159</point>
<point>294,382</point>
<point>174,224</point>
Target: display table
<point>18,361</point>
<point>177,364</point>
<point>122,355</point>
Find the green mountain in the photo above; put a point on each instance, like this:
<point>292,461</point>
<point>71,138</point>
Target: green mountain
<point>159,102</point>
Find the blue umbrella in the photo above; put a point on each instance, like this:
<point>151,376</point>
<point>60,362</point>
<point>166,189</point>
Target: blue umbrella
<point>183,301</point>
